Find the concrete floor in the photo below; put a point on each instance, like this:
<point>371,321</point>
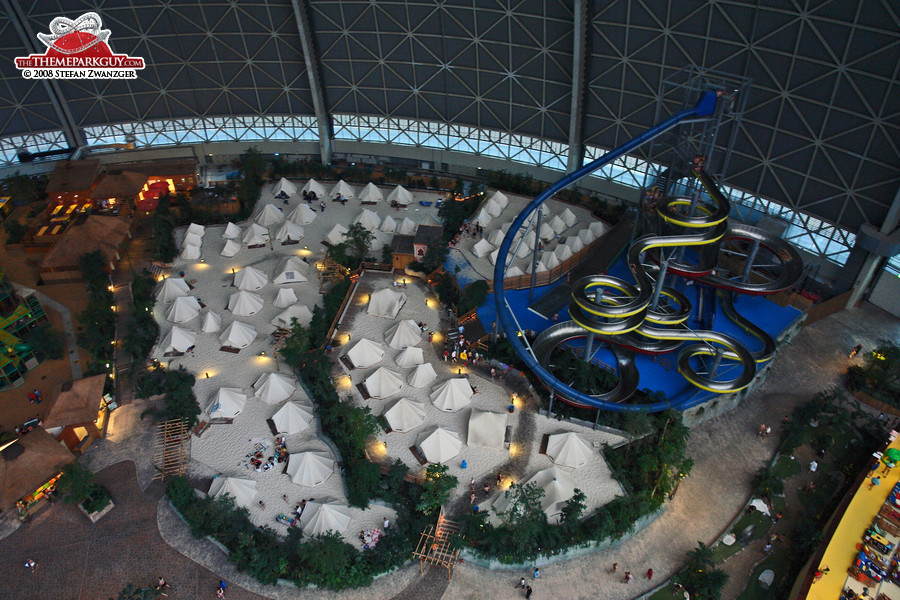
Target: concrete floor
<point>71,552</point>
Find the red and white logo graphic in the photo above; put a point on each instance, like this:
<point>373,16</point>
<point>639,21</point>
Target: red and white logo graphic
<point>78,50</point>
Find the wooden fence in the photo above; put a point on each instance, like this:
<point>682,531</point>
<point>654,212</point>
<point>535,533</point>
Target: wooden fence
<point>522,282</point>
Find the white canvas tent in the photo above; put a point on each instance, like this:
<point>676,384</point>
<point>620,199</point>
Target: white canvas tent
<point>227,403</point>
<point>190,253</point>
<point>546,232</point>
<point>256,235</point>
<point>371,194</point>
<point>493,208</point>
<point>365,354</point>
<point>400,195</point>
<point>212,322</point>
<point>575,244</point>
<point>541,268</point>
<point>487,429</point>
<point>284,189</point>
<point>289,232</point>
<point>285,297</point>
<point>500,198</point>
<point>410,357</point>
<point>483,217</point>
<point>315,187</point>
<point>171,288</point>
<point>195,229</point>
<point>310,468</point>
<point>558,488</point>
<point>405,415</point>
<point>302,215</point>
<point>403,334</point>
<point>407,226</point>
<point>245,304</point>
<point>422,375</point>
<point>586,236</point>
<point>514,271</point>
<point>495,238</point>
<point>342,189</point>
<point>319,517</point>
<point>568,217</point>
<point>522,250</point>
<point>386,303</point>
<point>368,219</point>
<point>294,311</point>
<point>238,335</point>
<point>270,215</point>
<point>550,260</point>
<point>383,383</point>
<point>336,235</point>
<point>452,395</point>
<point>178,340</point>
<point>273,388</point>
<point>493,256</point>
<point>242,490</point>
<point>232,232</point>
<point>389,225</point>
<point>250,279</point>
<point>291,270</point>
<point>569,450</point>
<point>483,247</point>
<point>563,252</point>
<point>231,248</point>
<point>183,309</point>
<point>292,418</point>
<point>439,445</point>
<point>192,239</point>
<point>557,225</point>
<point>598,228</point>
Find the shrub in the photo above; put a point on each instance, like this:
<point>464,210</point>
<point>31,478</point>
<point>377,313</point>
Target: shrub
<point>15,231</point>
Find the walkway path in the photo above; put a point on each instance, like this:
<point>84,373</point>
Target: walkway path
<point>79,560</point>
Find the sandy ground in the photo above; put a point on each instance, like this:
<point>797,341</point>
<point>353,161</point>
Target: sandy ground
<point>482,464</point>
<point>223,448</point>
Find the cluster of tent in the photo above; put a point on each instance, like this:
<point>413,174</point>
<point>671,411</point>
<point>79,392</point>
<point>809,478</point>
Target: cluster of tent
<point>370,194</point>
<point>193,240</point>
<point>319,516</point>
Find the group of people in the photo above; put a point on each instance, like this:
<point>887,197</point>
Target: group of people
<point>462,350</point>
<point>475,230</point>
<point>764,431</point>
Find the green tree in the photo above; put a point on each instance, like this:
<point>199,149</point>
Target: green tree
<point>474,296</point>
<point>359,241</point>
<point>365,476</point>
<point>15,231</point>
<point>700,557</point>
<point>93,270</point>
<point>435,255</point>
<point>437,488</point>
<point>387,255</point>
<point>25,188</point>
<point>295,345</point>
<point>46,341</point>
<point>767,483</point>
<point>571,513</point>
<point>76,483</point>
<point>524,522</point>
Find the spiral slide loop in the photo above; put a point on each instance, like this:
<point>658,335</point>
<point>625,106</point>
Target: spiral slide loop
<point>621,312</point>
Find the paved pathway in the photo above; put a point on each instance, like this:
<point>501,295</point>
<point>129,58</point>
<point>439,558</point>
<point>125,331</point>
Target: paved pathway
<point>78,560</point>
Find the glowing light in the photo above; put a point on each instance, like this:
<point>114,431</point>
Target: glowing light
<point>110,288</point>
<point>513,450</point>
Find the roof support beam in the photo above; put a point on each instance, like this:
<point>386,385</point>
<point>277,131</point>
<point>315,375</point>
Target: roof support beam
<point>304,27</point>
<point>873,263</point>
<point>576,112</point>
<point>74,136</point>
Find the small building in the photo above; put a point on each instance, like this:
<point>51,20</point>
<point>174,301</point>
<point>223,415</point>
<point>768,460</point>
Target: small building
<point>182,174</point>
<point>72,181</point>
<point>85,235</point>
<point>19,312</point>
<point>116,188</point>
<point>425,235</point>
<point>28,467</point>
<point>80,413</point>
<point>402,251</point>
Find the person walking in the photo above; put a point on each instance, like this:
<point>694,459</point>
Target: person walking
<point>30,564</point>
<point>537,573</point>
<point>521,583</point>
<point>615,567</point>
<point>628,577</point>
<point>322,206</point>
<point>528,591</point>
<point>649,574</point>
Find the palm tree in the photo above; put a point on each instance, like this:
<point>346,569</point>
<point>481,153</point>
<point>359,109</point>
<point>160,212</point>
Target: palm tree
<point>700,557</point>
